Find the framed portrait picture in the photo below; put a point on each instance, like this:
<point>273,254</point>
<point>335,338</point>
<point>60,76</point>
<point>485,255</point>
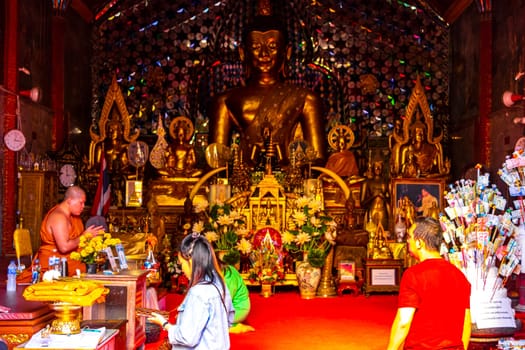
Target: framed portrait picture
<point>133,193</point>
<point>426,195</point>
<point>346,270</point>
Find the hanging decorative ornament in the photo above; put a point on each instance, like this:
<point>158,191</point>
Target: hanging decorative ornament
<point>217,155</point>
<point>157,156</point>
<point>138,153</point>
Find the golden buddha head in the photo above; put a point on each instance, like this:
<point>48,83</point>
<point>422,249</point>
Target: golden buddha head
<point>341,143</point>
<point>417,131</point>
<point>181,133</point>
<point>265,49</point>
<point>114,129</point>
<point>378,167</point>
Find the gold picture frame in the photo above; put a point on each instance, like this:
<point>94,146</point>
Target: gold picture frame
<point>346,270</point>
<point>414,189</point>
<point>133,193</point>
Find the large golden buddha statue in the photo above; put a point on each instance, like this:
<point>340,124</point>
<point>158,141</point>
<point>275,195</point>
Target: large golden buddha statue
<point>294,112</point>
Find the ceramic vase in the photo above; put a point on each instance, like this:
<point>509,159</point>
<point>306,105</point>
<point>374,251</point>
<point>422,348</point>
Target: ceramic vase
<point>91,268</point>
<point>308,278</point>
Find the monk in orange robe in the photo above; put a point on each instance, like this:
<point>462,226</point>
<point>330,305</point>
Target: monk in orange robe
<point>60,233</point>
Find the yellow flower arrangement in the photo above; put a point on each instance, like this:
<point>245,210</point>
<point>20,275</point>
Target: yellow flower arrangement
<point>310,230</point>
<point>89,247</point>
<point>225,228</point>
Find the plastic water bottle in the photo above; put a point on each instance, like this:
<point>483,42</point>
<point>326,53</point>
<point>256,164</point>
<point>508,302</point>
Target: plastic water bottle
<point>35,271</point>
<point>63,267</point>
<point>11,277</point>
<point>52,262</point>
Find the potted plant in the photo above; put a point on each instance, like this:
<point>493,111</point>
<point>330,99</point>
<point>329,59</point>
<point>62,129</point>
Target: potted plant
<point>90,246</point>
<point>312,233</point>
<point>225,228</point>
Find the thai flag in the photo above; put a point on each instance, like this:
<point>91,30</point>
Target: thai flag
<point>103,196</point>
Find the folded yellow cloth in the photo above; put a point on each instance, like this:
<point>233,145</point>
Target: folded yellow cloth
<point>81,292</point>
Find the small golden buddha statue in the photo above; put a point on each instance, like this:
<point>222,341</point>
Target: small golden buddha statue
<point>180,155</point>
<point>416,151</point>
<point>114,149</point>
<point>342,161</point>
<point>380,249</point>
<point>407,211</point>
<point>111,136</point>
<point>410,168</point>
<point>375,197</point>
<point>266,154</point>
<point>420,152</point>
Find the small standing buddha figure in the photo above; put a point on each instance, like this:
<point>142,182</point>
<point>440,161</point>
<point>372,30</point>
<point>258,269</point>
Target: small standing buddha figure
<point>375,197</point>
<point>266,154</point>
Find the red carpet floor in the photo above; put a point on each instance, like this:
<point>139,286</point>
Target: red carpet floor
<point>285,321</point>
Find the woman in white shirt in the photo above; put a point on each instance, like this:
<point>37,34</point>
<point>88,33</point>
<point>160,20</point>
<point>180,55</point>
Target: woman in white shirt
<point>206,313</point>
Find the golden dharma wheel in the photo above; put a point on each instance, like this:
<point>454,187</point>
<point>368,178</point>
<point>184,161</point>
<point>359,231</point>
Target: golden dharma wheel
<point>338,132</point>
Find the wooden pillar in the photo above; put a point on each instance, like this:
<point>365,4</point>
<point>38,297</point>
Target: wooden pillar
<point>57,81</point>
<point>9,178</point>
<point>483,143</point>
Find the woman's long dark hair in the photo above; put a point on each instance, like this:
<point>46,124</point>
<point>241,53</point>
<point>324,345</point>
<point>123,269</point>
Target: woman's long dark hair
<point>204,266</point>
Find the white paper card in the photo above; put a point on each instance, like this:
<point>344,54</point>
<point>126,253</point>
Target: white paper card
<point>383,277</point>
<point>492,314</point>
<point>86,339</point>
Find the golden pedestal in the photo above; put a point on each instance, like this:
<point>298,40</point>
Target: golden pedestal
<point>172,191</point>
<point>327,287</point>
<point>67,319</point>
<point>266,290</point>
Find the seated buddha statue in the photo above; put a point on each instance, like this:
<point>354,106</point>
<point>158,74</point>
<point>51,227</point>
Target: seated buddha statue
<point>293,111</point>
<point>424,154</point>
<point>414,144</point>
<point>180,155</point>
<point>115,149</point>
<point>342,161</point>
<point>410,168</point>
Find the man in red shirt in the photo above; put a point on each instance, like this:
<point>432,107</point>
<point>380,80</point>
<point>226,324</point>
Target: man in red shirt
<point>434,297</point>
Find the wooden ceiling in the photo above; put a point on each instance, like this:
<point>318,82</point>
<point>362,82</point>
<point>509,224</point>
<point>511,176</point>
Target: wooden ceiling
<point>449,10</point>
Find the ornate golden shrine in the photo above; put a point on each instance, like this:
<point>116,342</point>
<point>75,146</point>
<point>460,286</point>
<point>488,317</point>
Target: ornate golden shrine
<point>114,114</point>
<point>267,205</point>
<point>413,143</point>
